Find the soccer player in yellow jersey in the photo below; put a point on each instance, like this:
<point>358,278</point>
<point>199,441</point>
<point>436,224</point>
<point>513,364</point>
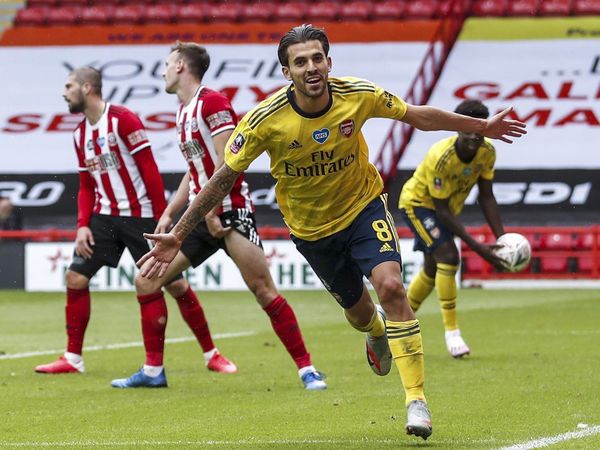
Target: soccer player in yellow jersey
<point>331,197</point>
<point>430,202</point>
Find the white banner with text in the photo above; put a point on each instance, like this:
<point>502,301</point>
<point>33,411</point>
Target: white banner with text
<point>35,125</point>
<point>46,263</point>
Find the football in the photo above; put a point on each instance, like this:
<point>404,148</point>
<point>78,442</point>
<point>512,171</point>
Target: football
<point>515,250</point>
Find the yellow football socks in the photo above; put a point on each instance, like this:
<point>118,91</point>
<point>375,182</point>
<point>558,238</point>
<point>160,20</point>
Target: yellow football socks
<point>418,289</point>
<point>407,350</point>
<point>445,284</point>
<point>375,328</point>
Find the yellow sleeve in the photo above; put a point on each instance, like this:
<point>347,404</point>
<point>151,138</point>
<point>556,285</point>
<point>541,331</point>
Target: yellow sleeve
<point>387,105</point>
<point>243,147</point>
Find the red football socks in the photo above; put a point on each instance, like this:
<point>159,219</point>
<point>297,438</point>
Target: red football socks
<point>193,314</point>
<point>77,313</point>
<point>286,327</point>
<point>154,322</point>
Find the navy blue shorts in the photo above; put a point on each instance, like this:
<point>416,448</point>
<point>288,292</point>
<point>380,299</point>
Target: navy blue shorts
<point>428,229</point>
<point>341,260</point>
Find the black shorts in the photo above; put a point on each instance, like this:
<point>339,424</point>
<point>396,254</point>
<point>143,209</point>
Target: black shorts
<point>112,234</point>
<point>341,260</point>
<point>200,245</point>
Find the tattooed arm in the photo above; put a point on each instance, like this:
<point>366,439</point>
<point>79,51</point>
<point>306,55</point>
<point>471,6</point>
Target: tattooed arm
<point>155,262</point>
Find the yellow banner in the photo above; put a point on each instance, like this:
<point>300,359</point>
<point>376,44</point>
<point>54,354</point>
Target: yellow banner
<point>510,29</point>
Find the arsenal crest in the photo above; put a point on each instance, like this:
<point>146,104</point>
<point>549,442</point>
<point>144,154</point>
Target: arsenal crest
<point>347,128</point>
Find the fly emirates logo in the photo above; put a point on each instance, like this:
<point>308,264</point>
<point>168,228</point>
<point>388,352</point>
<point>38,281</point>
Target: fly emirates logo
<point>321,163</point>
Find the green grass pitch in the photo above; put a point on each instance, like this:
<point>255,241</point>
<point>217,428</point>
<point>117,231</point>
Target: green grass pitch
<point>533,373</point>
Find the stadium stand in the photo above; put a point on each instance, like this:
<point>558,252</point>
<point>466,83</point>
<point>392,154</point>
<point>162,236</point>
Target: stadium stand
<point>522,8</point>
<point>356,10</point>
<point>61,12</point>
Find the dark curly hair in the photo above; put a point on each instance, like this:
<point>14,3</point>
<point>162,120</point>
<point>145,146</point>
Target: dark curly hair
<point>473,108</point>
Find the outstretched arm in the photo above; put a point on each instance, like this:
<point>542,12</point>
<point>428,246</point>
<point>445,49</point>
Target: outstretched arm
<point>429,118</point>
<point>155,262</point>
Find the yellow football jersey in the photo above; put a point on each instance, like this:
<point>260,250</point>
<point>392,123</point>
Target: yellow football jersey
<point>320,161</point>
<point>443,175</point>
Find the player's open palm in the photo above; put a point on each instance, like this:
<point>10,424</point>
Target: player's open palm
<point>155,263</point>
<point>499,127</point>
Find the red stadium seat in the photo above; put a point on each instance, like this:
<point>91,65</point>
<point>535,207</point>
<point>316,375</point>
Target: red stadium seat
<point>584,241</point>
<point>534,240</point>
<point>97,15</point>
<point>36,3</point>
<point>292,11</point>
<point>223,12</point>
<point>422,9</point>
<point>474,264</point>
<point>162,13</point>
<point>66,15</point>
<point>495,8</point>
<point>261,12</point>
<point>586,7</point>
<point>34,16</point>
<point>554,264</point>
<point>323,11</point>
<point>479,237</point>
<point>555,8</point>
<point>106,2</point>
<point>522,8</point>
<point>557,241</point>
<point>73,2</point>
<point>388,10</point>
<point>585,264</point>
<point>356,10</point>
<point>129,14</point>
<point>192,13</point>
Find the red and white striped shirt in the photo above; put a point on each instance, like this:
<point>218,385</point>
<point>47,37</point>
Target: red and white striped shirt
<point>206,115</point>
<point>117,171</point>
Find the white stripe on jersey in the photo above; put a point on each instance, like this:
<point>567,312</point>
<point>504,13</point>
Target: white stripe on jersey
<point>134,174</point>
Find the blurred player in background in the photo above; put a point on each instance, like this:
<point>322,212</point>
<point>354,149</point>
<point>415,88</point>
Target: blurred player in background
<point>331,197</point>
<point>430,203</point>
<point>10,217</point>
<point>121,194</point>
<point>205,121</point>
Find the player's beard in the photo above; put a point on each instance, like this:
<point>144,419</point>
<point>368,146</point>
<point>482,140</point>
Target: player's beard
<point>77,105</point>
<point>305,88</point>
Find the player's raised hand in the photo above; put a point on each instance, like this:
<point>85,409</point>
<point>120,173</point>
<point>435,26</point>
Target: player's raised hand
<point>155,263</point>
<point>500,128</point>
